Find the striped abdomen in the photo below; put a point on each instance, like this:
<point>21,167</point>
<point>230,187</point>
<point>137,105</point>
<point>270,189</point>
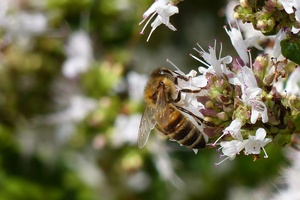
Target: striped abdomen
<point>181,129</point>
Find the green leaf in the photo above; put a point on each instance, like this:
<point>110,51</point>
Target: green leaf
<point>290,49</point>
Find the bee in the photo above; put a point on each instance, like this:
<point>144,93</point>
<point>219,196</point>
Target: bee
<point>162,112</point>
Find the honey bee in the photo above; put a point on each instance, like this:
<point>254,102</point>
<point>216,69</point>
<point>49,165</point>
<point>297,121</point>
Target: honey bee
<point>162,112</point>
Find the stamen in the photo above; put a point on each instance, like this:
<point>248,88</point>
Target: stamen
<point>217,164</point>
<point>196,58</point>
<point>200,48</point>
<point>144,18</point>
<point>266,155</point>
<point>215,44</point>
<point>152,30</point>
<point>225,27</point>
<point>197,50</point>
<point>142,32</point>
<point>221,48</point>
<point>214,144</point>
<point>169,61</point>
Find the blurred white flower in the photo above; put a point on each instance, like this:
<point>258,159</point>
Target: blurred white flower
<point>138,181</point>
<point>126,129</point>
<point>31,23</point>
<point>22,26</point>
<point>291,178</point>
<point>164,10</point>
<point>4,7</point>
<point>86,168</point>
<point>18,25</point>
<point>136,85</point>
<point>79,54</point>
<point>163,162</point>
<point>256,143</point>
<point>78,109</point>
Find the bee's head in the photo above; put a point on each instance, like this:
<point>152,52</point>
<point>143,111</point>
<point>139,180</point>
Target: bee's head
<point>160,85</point>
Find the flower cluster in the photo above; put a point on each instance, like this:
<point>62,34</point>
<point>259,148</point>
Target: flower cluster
<point>242,103</point>
<point>269,16</point>
<point>237,100</point>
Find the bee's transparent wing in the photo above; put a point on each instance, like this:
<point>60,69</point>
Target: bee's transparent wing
<point>162,110</point>
<point>147,124</point>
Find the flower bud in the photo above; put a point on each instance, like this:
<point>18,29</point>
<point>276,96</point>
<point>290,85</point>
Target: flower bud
<point>265,25</point>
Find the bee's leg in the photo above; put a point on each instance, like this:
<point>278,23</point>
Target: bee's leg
<point>186,79</point>
<point>198,119</point>
<point>190,91</point>
<point>176,75</point>
<point>178,98</point>
<point>181,77</point>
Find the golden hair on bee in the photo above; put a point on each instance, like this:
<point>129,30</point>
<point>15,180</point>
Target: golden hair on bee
<point>160,78</point>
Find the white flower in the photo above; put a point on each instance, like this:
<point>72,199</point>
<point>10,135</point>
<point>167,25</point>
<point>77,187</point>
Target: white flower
<point>194,83</point>
<point>28,24</point>
<point>231,149</point>
<point>251,93</point>
<point>215,65</point>
<point>292,6</point>
<point>253,145</point>
<point>295,30</point>
<point>281,35</point>
<point>77,109</point>
<point>126,126</point>
<point>257,142</point>
<point>163,162</point>
<point>259,109</point>
<point>22,26</point>
<point>136,85</point>
<point>164,10</point>
<point>79,54</point>
<point>234,129</point>
<point>291,178</point>
<point>241,46</point>
<point>293,82</point>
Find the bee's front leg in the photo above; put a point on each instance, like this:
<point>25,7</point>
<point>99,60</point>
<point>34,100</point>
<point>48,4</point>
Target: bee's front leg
<point>178,98</point>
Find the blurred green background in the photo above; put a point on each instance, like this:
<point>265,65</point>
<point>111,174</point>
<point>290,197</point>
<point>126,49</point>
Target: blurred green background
<point>67,134</point>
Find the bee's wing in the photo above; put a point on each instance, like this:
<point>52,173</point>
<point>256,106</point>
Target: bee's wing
<point>162,111</point>
<point>147,124</point>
